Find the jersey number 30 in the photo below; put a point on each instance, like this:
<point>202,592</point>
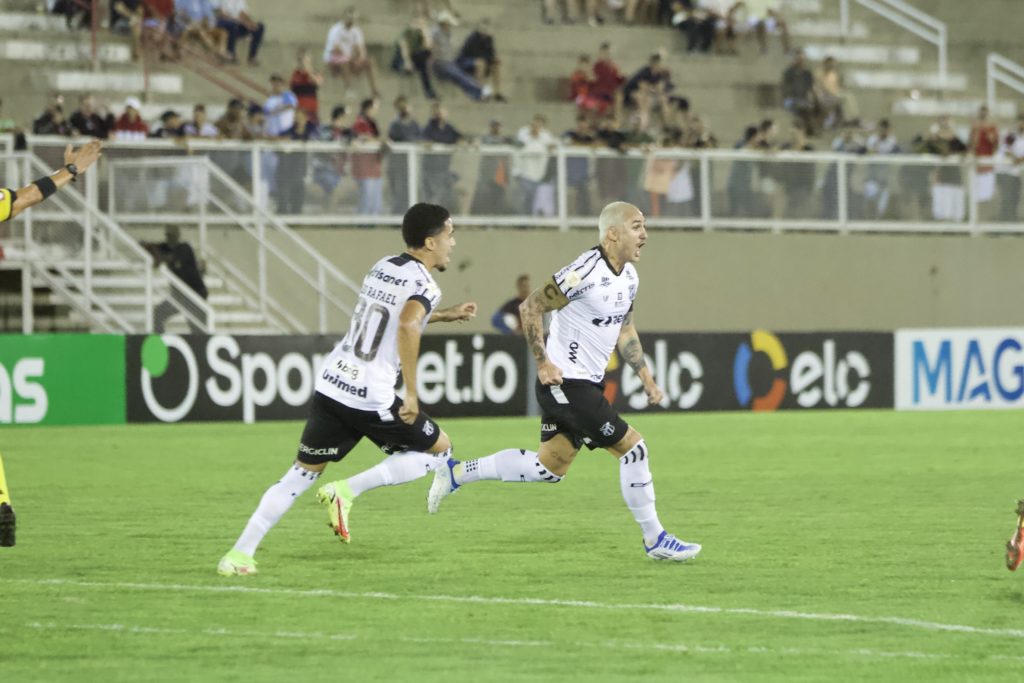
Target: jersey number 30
<point>365,316</point>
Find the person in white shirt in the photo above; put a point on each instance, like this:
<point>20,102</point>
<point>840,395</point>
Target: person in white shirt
<point>354,396</point>
<point>764,17</point>
<point>1008,172</point>
<point>279,108</point>
<point>591,306</point>
<point>345,52</point>
<point>233,16</point>
<point>530,164</point>
<point>199,126</point>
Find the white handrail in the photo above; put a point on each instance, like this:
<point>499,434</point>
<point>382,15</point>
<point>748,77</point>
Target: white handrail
<point>999,69</point>
<point>911,19</point>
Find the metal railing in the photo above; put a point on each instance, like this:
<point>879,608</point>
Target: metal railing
<point>999,69</point>
<point>276,272</point>
<point>70,245</point>
<point>911,19</point>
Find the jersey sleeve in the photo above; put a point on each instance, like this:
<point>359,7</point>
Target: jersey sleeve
<point>7,198</point>
<point>426,292</point>
<point>571,280</point>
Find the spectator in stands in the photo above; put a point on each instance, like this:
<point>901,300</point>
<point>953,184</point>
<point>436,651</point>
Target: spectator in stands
<point>764,17</point>
<point>171,126</point>
<point>798,92</point>
<point>1009,177</point>
<point>291,190</point>
<point>51,121</point>
<point>835,103</point>
<point>530,167</point>
<point>126,17</point>
<point>413,51</point>
<point>984,142</point>
<point>848,141</point>
<point>231,126</point>
<point>445,66</point>
<point>345,52</point>
<point>198,22</point>
<point>328,170</point>
<point>696,24</point>
<point>581,85</point>
<point>647,10</point>
<point>796,177</point>
<point>568,9</point>
<point>438,179</point>
<point>367,165</point>
<point>607,79</point>
<point>305,83</point>
<point>182,261</point>
<point>610,171</point>
<point>947,183</point>
<point>199,127</point>
<point>506,319</point>
<point>739,187</point>
<point>403,128</point>
<point>489,197</point>
<point>724,14</point>
<point>577,166</point>
<point>478,58</point>
<point>279,109</point>
<point>74,11</point>
<point>880,176</point>
<point>130,126</point>
<point>89,121</point>
<point>233,16</point>
<point>159,28</point>
<point>649,87</point>
<point>256,123</point>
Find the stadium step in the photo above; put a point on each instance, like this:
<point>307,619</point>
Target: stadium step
<point>905,80</point>
<point>120,81</point>
<point>39,50</point>
<point>826,28</point>
<point>864,54</point>
<point>931,106</point>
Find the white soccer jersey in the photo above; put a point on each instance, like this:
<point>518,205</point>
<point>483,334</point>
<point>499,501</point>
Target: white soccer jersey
<point>584,333</point>
<point>362,369</point>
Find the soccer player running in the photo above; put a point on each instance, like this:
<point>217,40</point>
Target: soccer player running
<point>355,389</point>
<point>591,301</point>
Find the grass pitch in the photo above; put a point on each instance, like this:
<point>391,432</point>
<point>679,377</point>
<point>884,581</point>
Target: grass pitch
<point>853,545</point>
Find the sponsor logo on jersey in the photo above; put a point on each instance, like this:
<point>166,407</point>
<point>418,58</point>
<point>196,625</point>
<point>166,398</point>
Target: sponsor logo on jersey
<point>605,281</point>
<point>303,448</point>
<point>428,427</point>
<point>632,292</point>
<point>610,320</point>
<point>387,279</point>
<point>607,429</point>
<point>344,386</point>
<point>574,347</point>
<point>548,427</point>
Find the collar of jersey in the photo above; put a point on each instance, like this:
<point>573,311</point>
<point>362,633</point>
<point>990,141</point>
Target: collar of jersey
<point>609,263</point>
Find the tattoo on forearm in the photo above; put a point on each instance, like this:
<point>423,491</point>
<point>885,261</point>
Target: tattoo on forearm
<point>551,292</point>
<point>633,353</point>
<point>533,329</point>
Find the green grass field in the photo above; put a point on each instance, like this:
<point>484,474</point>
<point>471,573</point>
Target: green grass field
<point>837,546</point>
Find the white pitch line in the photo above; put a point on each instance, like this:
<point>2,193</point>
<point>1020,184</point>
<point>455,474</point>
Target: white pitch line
<point>535,602</point>
<point>609,645</point>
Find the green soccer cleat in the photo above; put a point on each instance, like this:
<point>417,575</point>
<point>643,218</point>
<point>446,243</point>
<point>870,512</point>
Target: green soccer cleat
<point>338,498</point>
<point>236,563</point>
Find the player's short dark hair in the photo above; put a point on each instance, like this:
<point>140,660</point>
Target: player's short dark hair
<point>422,221</point>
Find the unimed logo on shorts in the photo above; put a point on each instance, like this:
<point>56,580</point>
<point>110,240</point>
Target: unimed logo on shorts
<point>221,377</point>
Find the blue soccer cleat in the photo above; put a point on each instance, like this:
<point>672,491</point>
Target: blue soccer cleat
<point>668,547</point>
<point>443,485</point>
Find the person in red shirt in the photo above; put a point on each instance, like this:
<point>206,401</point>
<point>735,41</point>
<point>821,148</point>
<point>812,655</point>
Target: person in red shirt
<point>305,83</point>
<point>984,142</point>
<point>367,166</point>
<point>608,80</point>
<point>159,30</point>
<point>580,86</point>
<point>130,126</point>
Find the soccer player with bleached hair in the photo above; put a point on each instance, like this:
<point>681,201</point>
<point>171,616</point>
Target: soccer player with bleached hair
<point>355,389</point>
<point>591,304</point>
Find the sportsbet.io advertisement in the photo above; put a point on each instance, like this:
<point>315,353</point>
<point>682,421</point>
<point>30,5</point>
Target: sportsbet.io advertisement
<point>104,379</point>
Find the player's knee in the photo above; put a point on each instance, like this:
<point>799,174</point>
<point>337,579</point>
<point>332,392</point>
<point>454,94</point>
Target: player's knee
<point>442,444</point>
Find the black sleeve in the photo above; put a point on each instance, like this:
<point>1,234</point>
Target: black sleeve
<point>421,299</point>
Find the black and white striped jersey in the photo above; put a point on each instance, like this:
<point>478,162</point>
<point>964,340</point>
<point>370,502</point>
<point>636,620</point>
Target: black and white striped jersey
<point>362,369</point>
<point>584,333</point>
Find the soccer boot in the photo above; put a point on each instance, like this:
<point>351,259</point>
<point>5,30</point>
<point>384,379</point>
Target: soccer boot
<point>236,563</point>
<point>1015,546</point>
<point>668,547</point>
<point>6,525</point>
<point>338,507</point>
<point>443,485</point>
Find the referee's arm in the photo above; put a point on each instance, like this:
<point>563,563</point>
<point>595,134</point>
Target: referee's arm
<point>13,202</point>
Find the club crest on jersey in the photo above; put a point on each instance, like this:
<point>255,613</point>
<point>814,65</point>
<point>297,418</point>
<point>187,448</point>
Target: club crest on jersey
<point>573,278</point>
<point>607,429</point>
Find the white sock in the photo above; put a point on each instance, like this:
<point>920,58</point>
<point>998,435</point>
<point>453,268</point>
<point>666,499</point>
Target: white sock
<point>638,491</point>
<point>400,468</point>
<point>273,505</point>
<point>511,464</point>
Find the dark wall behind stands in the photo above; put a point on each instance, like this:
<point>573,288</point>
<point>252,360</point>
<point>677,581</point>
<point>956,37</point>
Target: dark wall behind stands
<point>696,281</point>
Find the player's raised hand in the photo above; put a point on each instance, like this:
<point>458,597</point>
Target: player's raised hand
<point>549,373</point>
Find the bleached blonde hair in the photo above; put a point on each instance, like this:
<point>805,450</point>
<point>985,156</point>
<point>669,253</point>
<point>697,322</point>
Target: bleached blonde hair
<point>611,215</point>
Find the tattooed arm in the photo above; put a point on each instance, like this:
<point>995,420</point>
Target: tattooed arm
<point>633,354</point>
<point>531,312</point>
